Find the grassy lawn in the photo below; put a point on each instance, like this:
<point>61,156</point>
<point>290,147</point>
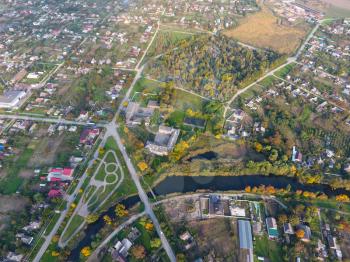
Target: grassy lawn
<point>110,179</point>
<point>100,176</point>
<point>267,81</point>
<point>38,245</point>
<point>52,223</point>
<point>12,182</point>
<point>266,248</point>
<point>165,41</point>
<point>126,188</point>
<point>283,72</point>
<point>146,86</point>
<point>184,100</point>
<point>145,237</point>
<point>73,225</point>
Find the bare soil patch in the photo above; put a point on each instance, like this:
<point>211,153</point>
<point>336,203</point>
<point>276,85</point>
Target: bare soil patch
<point>46,151</point>
<point>12,203</point>
<point>26,174</point>
<point>262,30</point>
<point>217,239</point>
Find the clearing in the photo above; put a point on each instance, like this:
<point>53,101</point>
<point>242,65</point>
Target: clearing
<point>261,30</point>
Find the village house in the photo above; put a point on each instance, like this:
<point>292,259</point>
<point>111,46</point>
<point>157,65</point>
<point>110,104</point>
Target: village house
<point>60,174</point>
<point>271,225</point>
<point>307,232</point>
<point>88,136</point>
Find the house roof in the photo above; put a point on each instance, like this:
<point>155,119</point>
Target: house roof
<point>245,234</point>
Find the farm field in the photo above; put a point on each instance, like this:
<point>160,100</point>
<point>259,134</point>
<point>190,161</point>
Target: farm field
<point>261,30</point>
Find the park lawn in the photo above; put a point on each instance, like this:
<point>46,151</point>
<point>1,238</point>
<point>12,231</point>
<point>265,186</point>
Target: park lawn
<point>283,72</point>
<point>264,247</point>
<point>110,158</point>
<point>100,176</point>
<point>110,179</point>
<point>145,85</point>
<point>176,118</point>
<point>126,188</point>
<point>91,189</point>
<point>261,30</point>
<point>73,225</point>
<point>184,100</point>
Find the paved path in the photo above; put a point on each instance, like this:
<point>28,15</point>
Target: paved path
<point>47,120</point>
<point>182,89</point>
<point>70,199</point>
<point>82,208</point>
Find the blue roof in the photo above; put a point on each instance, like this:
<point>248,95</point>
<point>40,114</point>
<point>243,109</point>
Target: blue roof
<point>245,234</point>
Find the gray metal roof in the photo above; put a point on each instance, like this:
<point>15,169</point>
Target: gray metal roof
<point>245,234</point>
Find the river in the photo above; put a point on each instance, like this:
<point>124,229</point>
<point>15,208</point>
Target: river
<point>179,184</point>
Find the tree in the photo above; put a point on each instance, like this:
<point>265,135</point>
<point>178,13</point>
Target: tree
<point>138,252</point>
<point>300,233</point>
<point>342,198</point>
<point>55,238</point>
<point>121,211</point>
<point>142,166</point>
<point>294,220</point>
<point>258,147</point>
<point>91,218</point>
<point>155,243</point>
<point>107,219</point>
<point>55,253</point>
<point>179,150</point>
<point>180,257</point>
<point>273,155</point>
<point>86,251</point>
<point>282,219</point>
<point>149,226</point>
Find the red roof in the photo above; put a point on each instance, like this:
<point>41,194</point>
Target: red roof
<point>68,171</point>
<point>55,179</point>
<point>54,193</point>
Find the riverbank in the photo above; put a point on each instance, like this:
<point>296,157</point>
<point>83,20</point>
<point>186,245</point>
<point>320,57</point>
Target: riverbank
<point>177,185</point>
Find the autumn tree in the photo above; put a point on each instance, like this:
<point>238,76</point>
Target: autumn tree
<point>258,147</point>
<point>107,219</point>
<point>342,198</point>
<point>300,233</point>
<point>156,243</point>
<point>294,220</point>
<point>86,251</point>
<point>121,211</point>
<point>282,219</point>
<point>142,166</point>
<point>138,252</point>
<point>91,218</point>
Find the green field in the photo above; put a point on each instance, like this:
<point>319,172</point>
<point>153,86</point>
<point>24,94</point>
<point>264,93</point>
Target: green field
<point>283,72</point>
<point>73,225</point>
<point>264,247</point>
